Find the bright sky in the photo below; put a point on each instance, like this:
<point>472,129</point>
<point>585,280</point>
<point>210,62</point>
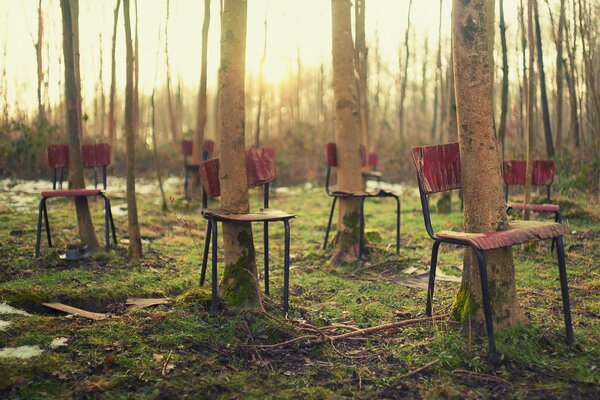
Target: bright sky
<point>294,26</point>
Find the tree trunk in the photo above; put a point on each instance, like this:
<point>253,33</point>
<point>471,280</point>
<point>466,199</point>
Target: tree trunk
<point>544,96</point>
<point>484,207</point>
<point>171,107</point>
<point>360,63</point>
<point>404,75</point>
<point>100,97</point>
<point>136,81</point>
<point>201,111</point>
<point>157,167</point>
<point>559,76</point>
<point>112,123</point>
<point>504,100</point>
<point>133,226</point>
<point>530,106</point>
<point>424,77</point>
<point>70,16</point>
<point>572,84</point>
<point>261,88</point>
<point>525,88</point>
<point>40,69</point>
<point>239,286</point>
<point>347,135</point>
<point>438,77</point>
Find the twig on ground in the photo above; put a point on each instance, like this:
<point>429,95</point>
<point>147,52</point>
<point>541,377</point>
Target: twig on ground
<point>481,376</point>
<point>166,363</point>
<point>417,370</point>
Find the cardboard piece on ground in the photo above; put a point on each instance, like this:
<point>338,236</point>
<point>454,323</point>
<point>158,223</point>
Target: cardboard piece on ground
<point>77,311</point>
<point>134,302</point>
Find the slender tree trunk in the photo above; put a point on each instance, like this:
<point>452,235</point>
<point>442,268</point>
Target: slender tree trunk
<point>157,167</point>
<point>424,76</point>
<point>544,96</point>
<point>201,112</point>
<point>347,135</point>
<point>401,121</point>
<point>261,88</point>
<point>572,83</point>
<point>70,16</point>
<point>480,166</point>
<point>361,64</point>
<point>112,123</point>
<point>525,88</point>
<point>133,226</point>
<point>171,107</point>
<point>39,63</point>
<point>136,81</point>
<point>101,98</point>
<point>4,83</point>
<point>530,106</point>
<point>438,76</point>
<point>239,285</point>
<point>559,77</point>
<point>504,100</point>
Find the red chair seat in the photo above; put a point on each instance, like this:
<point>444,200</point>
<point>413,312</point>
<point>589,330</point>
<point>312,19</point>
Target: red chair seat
<point>536,207</point>
<point>265,215</point>
<point>71,193</point>
<point>518,232</point>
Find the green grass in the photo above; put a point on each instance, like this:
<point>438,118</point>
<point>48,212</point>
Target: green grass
<point>216,357</point>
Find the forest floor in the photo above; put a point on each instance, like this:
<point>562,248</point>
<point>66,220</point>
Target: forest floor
<point>177,350</point>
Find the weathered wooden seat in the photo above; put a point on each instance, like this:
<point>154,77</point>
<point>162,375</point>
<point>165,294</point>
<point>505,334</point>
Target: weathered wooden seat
<point>70,193</point>
<point>438,170</point>
<point>260,171</point>
<point>187,147</point>
<point>361,195</point>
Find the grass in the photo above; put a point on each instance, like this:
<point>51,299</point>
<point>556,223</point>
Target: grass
<point>178,350</point>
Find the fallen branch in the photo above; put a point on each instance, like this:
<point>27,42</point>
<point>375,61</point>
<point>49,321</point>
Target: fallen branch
<point>417,370</point>
<point>481,376</point>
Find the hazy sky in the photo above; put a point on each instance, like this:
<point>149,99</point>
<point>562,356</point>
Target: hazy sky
<point>293,26</point>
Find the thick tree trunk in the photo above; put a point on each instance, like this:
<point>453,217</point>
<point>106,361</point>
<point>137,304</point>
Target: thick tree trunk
<point>201,111</point>
<point>544,96</point>
<point>484,206</point>
<point>360,63</point>
<point>70,17</point>
<point>347,135</point>
<point>239,286</point>
<point>504,95</point>
<point>401,121</point>
<point>133,226</point>
<point>112,123</point>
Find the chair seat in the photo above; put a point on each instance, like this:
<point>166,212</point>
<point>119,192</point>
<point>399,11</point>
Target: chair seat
<point>536,207</point>
<point>71,193</point>
<point>265,215</point>
<point>372,174</point>
<point>518,232</point>
<point>362,193</point>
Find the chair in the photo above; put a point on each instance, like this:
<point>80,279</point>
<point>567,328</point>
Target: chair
<point>360,195</point>
<point>373,163</point>
<point>542,174</point>
<point>438,170</point>
<point>58,159</point>
<point>187,148</point>
<point>260,171</point>
<point>96,155</point>
<point>43,210</point>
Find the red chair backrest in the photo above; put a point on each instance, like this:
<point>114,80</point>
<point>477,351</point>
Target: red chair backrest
<point>57,155</point>
<point>209,147</point>
<point>373,160</point>
<point>438,167</point>
<point>542,172</point>
<point>332,155</point>
<point>260,169</point>
<point>187,146</point>
<point>95,155</point>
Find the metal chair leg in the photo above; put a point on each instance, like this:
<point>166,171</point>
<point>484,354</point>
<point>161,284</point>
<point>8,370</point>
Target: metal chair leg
<point>286,267</point>
<point>564,287</point>
<point>205,256</point>
<point>104,176</point>
<point>432,270</point>
<point>361,238</point>
<point>39,229</point>
<point>47,223</point>
<point>329,222</point>
<point>185,182</point>
<point>95,177</point>
<point>62,170</point>
<point>213,306</point>
<point>266,255</point>
<point>106,222</point>
<point>112,221</point>
<point>557,218</point>
<point>54,176</point>
<point>487,307</point>
<point>397,224</point>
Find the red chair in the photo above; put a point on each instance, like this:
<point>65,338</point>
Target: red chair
<point>187,148</point>
<point>58,159</point>
<point>43,210</point>
<point>542,175</point>
<point>360,195</point>
<point>94,156</point>
<point>438,170</point>
<point>373,163</point>
<point>260,171</point>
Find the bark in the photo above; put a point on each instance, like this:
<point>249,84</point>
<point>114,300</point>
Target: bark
<point>172,117</point>
<point>504,95</point>
<point>530,105</point>
<point>544,96</point>
<point>201,111</point>
<point>157,164</point>
<point>404,74</point>
<point>239,286</point>
<point>572,85</point>
<point>133,226</point>
<point>112,123</point>
<point>261,88</point>
<point>347,135</point>
<point>484,207</point>
<point>136,81</point>
<point>525,87</point>
<point>4,83</point>
<point>438,77</point>
<point>70,16</point>
<point>424,76</point>
<point>100,97</point>
<point>40,68</point>
<point>559,76</point>
<point>360,60</point>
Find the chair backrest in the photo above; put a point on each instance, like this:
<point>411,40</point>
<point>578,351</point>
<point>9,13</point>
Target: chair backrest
<point>542,172</point>
<point>57,155</point>
<point>260,170</point>
<point>332,155</point>
<point>95,155</point>
<point>438,167</point>
<point>187,146</point>
<point>373,160</point>
<point>208,148</point>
